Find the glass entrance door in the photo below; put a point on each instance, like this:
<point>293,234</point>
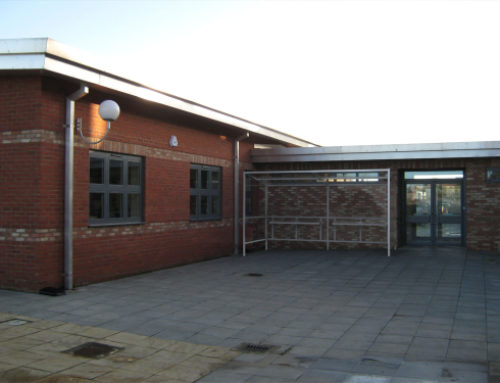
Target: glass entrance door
<point>433,208</point>
<point>448,212</point>
<point>418,213</point>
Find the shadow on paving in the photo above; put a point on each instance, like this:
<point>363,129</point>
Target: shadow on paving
<point>422,315</point>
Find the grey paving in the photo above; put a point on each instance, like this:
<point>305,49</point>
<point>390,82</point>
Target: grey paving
<point>423,315</point>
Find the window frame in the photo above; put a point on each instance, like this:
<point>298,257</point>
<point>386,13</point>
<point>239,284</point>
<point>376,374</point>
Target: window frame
<point>209,192</point>
<point>124,189</point>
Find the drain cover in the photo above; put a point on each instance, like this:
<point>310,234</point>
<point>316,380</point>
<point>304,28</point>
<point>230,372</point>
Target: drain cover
<point>92,350</point>
<point>15,322</point>
<point>257,348</point>
<point>254,275</point>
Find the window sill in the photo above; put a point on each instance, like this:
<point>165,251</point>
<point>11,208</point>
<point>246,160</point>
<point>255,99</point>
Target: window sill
<point>108,224</point>
<point>193,220</point>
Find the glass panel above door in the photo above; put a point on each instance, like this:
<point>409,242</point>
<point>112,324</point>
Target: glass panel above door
<point>434,175</point>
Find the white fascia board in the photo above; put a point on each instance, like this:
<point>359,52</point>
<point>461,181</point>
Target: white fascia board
<point>381,152</point>
<point>23,46</point>
<point>50,55</point>
<point>65,69</point>
<point>22,62</point>
<point>91,77</point>
<point>176,103</point>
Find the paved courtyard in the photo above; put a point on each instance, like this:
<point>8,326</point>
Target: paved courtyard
<point>423,315</point>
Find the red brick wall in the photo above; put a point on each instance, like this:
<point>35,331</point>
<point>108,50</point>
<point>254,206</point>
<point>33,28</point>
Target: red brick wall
<point>32,114</point>
<point>308,205</point>
<point>482,199</point>
<point>19,179</point>
<point>483,206</point>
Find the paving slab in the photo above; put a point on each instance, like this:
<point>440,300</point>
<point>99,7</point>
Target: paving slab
<point>137,358</point>
<point>383,317</point>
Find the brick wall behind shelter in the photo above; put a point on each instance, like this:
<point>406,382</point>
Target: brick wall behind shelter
<point>482,199</point>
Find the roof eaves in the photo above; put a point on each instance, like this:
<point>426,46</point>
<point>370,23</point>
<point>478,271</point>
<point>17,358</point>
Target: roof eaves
<point>379,152</point>
<point>47,54</point>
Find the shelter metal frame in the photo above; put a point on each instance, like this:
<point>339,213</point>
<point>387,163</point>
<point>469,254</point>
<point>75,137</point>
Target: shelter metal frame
<point>318,178</point>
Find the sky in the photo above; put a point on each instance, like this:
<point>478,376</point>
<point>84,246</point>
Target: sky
<point>329,71</point>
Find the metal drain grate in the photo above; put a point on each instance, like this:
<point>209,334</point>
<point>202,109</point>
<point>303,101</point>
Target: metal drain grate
<point>93,350</point>
<point>257,348</point>
<point>254,275</point>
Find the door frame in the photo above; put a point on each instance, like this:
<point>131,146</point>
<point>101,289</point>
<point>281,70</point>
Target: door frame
<point>434,218</point>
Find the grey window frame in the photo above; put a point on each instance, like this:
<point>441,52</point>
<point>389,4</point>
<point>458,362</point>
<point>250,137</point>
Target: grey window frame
<point>124,189</point>
<point>209,192</point>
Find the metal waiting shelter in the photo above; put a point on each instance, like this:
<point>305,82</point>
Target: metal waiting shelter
<point>258,187</point>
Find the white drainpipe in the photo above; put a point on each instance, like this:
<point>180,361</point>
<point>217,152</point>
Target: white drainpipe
<point>236,189</point>
<point>68,184</point>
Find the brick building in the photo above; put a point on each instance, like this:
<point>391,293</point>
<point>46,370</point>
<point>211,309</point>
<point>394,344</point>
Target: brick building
<point>160,190</point>
<point>439,194</point>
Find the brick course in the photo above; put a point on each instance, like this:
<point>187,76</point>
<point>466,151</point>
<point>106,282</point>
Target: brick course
<point>32,114</point>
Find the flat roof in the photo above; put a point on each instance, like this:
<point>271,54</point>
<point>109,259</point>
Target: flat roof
<point>379,152</point>
<point>49,55</point>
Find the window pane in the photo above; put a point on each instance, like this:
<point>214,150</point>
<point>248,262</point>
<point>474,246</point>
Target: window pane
<point>215,180</point>
<point>493,175</point>
<point>418,231</point>
<point>115,205</point>
<point>204,179</point>
<point>449,231</point>
<point>438,175</point>
<point>418,200</point>
<point>96,170</point>
<point>96,205</point>
<point>134,205</point>
<point>215,205</point>
<point>115,172</point>
<point>193,178</point>
<point>204,205</point>
<point>192,205</point>
<point>449,199</point>
<point>205,197</point>
<point>134,173</point>
<point>369,177</point>
<point>350,177</point>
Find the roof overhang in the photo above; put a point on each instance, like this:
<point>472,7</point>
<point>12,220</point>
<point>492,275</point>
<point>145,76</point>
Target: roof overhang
<point>48,55</point>
<point>379,152</point>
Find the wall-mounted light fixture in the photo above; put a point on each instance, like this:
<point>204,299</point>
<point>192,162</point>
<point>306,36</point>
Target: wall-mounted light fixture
<point>109,111</point>
<point>173,141</point>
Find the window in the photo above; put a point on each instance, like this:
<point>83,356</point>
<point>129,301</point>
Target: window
<point>205,196</point>
<point>115,189</point>
<point>434,175</point>
<point>493,175</point>
<point>359,177</point>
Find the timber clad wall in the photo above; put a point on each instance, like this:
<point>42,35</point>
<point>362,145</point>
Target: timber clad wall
<point>32,204</point>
